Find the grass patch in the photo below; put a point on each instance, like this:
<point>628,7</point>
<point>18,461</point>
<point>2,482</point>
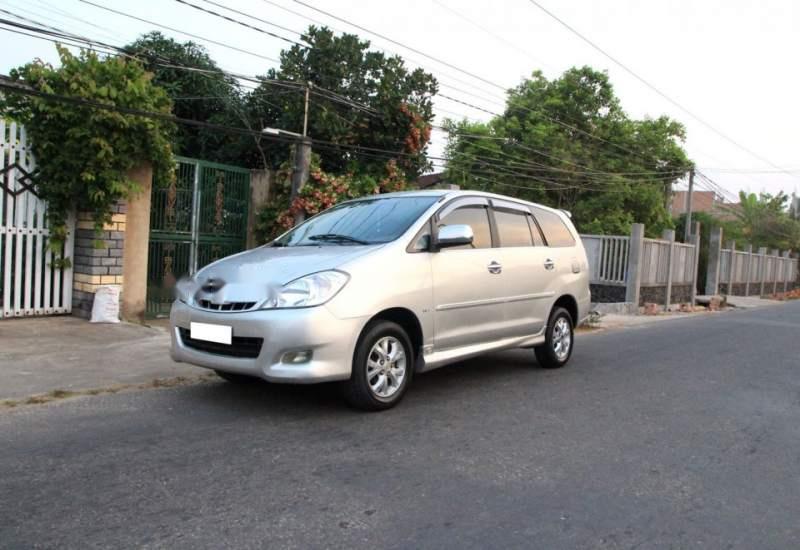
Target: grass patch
<point>59,394</point>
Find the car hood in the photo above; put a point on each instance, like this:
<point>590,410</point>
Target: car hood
<point>256,275</point>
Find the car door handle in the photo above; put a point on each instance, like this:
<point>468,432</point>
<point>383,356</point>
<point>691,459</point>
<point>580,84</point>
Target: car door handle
<point>495,268</point>
<point>549,264</point>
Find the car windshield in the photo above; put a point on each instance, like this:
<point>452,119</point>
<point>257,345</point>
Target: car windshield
<point>369,221</point>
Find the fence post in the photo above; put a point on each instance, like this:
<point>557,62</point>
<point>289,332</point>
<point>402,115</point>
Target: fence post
<point>669,235</point>
<point>696,262</point>
<point>776,254</point>
<point>786,265</point>
<point>749,269</point>
<point>714,260</point>
<point>635,251</point>
<point>732,269</point>
<point>762,267</point>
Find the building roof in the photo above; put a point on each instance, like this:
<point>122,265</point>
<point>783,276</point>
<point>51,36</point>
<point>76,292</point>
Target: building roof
<point>429,180</point>
<point>702,201</point>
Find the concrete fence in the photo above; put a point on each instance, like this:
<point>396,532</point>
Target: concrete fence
<point>638,270</point>
<point>746,272</point>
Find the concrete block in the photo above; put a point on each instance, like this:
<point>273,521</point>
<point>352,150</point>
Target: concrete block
<point>91,269</point>
<point>650,308</point>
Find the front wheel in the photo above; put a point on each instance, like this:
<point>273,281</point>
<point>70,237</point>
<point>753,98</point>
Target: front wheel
<point>559,335</point>
<point>383,365</point>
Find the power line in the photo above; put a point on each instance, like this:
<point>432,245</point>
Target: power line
<point>654,88</point>
<point>196,36</point>
<point>242,23</point>
<point>543,167</point>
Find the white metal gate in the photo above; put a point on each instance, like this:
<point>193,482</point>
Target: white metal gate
<point>29,283</point>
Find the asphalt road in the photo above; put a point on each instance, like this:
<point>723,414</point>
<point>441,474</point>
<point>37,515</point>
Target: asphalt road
<point>683,434</point>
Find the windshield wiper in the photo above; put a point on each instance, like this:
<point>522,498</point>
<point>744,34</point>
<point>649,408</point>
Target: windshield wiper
<point>336,237</point>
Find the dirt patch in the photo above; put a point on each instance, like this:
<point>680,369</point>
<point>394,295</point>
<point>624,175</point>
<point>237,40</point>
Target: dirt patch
<point>59,394</point>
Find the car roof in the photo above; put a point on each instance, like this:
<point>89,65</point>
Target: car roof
<point>452,193</point>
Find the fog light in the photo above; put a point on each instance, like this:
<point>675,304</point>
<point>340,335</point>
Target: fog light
<point>296,357</point>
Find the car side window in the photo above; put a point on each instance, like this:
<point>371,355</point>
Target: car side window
<point>555,230</point>
<point>475,216</point>
<point>513,228</point>
<point>422,240</point>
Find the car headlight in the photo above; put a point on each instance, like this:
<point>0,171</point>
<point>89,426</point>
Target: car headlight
<point>311,290</point>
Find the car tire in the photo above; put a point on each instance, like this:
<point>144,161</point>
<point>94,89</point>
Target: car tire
<point>559,340</point>
<point>383,366</point>
<point>234,378</point>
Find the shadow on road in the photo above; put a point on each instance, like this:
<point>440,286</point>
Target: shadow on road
<point>453,383</point>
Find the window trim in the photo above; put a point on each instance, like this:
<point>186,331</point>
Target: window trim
<point>526,214</point>
<point>456,203</point>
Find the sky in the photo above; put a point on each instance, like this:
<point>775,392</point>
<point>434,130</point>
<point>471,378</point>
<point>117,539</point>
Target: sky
<point>730,63</point>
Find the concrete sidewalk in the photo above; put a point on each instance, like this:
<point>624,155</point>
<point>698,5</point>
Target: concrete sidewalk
<point>43,354</point>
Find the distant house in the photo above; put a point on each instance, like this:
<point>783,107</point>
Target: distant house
<point>434,181</point>
<point>703,201</point>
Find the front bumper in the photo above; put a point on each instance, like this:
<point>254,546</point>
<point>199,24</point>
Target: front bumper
<point>330,339</point>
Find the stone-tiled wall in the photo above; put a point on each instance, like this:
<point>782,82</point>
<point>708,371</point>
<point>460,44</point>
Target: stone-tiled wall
<point>97,259</point>
<point>607,294</point>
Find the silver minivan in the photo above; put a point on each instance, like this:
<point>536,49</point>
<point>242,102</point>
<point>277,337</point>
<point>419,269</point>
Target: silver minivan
<point>375,290</point>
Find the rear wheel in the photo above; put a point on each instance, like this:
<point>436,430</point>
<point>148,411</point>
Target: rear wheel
<point>559,336</point>
<point>383,366</point>
<point>236,378</point>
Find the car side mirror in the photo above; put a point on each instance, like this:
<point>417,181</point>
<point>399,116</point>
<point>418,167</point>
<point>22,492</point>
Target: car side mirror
<point>454,235</point>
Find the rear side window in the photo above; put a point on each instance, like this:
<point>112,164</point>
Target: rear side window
<point>513,228</point>
<point>555,230</point>
<point>477,218</point>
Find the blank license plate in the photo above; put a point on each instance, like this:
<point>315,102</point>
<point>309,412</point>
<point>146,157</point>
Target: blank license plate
<point>211,333</point>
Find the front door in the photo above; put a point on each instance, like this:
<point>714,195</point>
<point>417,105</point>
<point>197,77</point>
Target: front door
<point>467,288</point>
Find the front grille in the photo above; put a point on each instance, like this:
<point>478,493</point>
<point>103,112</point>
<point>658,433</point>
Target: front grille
<point>241,346</point>
<point>227,306</point>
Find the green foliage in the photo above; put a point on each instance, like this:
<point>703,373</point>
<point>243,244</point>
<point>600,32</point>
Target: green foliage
<point>206,95</point>
<point>84,154</point>
<point>322,191</point>
<point>765,221</point>
<point>396,113</point>
<point>567,143</point>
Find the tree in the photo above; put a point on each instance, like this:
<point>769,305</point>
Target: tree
<point>84,152</point>
<point>568,143</point>
<point>204,94</point>
<point>764,220</point>
<point>358,97</point>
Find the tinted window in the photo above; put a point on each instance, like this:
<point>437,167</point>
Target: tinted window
<point>554,229</point>
<point>367,221</point>
<point>477,218</point>
<point>513,228</point>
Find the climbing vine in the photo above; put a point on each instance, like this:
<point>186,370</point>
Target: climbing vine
<point>84,153</point>
<point>322,191</point>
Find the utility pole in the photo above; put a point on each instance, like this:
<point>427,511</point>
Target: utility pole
<point>302,156</point>
<point>688,221</point>
<point>302,160</point>
<point>305,110</point>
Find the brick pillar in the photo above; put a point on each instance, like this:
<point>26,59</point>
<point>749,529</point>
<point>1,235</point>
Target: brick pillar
<point>97,258</point>
<point>117,255</point>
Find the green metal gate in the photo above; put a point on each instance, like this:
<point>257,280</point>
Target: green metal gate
<point>198,218</point>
